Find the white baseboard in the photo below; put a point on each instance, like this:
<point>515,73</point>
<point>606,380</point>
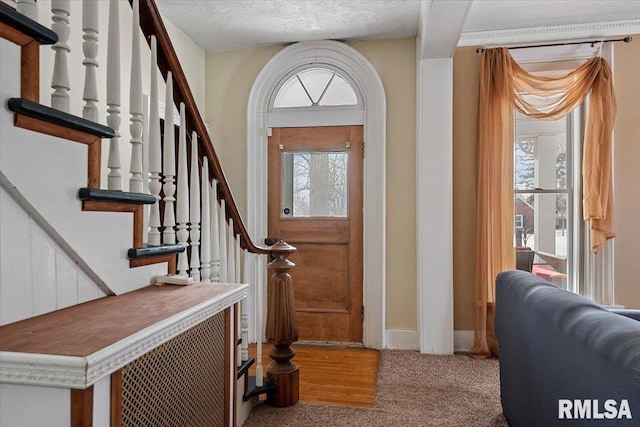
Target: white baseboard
<point>463,340</point>
<point>401,339</point>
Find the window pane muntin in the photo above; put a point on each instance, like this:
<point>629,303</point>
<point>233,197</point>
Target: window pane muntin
<point>316,80</point>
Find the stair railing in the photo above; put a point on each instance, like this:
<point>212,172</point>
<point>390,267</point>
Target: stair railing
<point>194,203</point>
<point>226,257</point>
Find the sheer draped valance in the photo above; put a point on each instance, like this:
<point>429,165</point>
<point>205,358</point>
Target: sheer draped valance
<point>505,86</point>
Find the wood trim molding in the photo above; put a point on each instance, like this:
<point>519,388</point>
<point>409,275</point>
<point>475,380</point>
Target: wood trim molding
<point>230,382</point>
<point>170,259</point>
<point>116,399</point>
<point>94,162</point>
<point>82,407</point>
<point>37,125</point>
<point>357,67</point>
<point>30,71</point>
<point>15,36</point>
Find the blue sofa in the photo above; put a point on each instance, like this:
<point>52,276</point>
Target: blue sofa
<point>561,352</point>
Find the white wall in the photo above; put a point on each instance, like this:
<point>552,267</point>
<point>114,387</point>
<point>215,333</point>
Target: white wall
<point>37,276</point>
<point>29,406</point>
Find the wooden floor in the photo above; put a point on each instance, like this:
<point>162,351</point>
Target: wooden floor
<point>343,376</point>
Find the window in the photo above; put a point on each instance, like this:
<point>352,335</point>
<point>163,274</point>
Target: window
<point>544,196</point>
<point>316,94</point>
<point>548,191</point>
<point>315,184</point>
<point>315,87</point>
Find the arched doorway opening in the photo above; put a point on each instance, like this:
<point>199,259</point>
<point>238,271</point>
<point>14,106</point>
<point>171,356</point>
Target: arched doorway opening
<point>355,68</point>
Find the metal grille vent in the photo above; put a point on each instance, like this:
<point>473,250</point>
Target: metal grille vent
<point>181,383</point>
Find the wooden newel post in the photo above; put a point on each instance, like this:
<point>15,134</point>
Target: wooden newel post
<point>282,328</point>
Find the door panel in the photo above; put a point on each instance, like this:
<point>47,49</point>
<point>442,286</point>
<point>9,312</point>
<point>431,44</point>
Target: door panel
<point>315,204</point>
<point>328,264</point>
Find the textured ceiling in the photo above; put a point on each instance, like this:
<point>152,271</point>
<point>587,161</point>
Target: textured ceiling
<point>237,24</point>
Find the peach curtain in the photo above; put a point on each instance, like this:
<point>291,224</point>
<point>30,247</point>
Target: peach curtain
<point>504,85</point>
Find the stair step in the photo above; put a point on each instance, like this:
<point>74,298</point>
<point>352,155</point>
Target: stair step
<point>115,196</point>
<point>244,367</point>
<point>51,115</point>
<point>151,251</point>
<point>267,387</point>
<point>27,26</point>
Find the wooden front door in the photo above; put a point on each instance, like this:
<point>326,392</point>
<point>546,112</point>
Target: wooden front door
<point>315,204</point>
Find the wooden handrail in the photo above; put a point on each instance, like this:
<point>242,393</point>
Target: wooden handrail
<point>151,24</point>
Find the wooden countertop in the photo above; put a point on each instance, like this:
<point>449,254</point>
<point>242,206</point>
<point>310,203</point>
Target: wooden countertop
<point>117,327</point>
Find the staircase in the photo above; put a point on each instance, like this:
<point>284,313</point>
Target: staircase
<point>183,220</point>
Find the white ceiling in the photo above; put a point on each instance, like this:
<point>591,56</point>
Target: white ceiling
<point>238,24</point>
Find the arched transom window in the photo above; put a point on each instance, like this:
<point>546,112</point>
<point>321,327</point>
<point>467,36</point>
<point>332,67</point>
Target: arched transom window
<point>318,89</point>
<point>315,87</point>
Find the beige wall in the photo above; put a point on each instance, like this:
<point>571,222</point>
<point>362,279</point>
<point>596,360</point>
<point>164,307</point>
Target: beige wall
<point>192,60</point>
<point>627,173</point>
<point>626,178</point>
<point>466,72</point>
<point>229,78</point>
<point>394,60</point>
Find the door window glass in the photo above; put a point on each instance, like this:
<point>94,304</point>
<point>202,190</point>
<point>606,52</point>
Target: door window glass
<point>315,184</point>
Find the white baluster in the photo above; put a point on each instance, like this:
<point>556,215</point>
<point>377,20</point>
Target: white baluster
<point>205,248</point>
<point>238,251</point>
<point>244,330</point>
<point>244,308</point>
<point>194,210</point>
<point>182,204</point>
<point>114,181</point>
<point>231,252</point>
<point>90,29</point>
<point>135,107</point>
<point>169,166</point>
<point>155,157</point>
<point>258,301</point>
<point>222,227</point>
<point>28,8</point>
<point>60,80</point>
<point>215,233</point>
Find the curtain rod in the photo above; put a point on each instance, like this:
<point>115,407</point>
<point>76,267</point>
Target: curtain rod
<point>627,39</point>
